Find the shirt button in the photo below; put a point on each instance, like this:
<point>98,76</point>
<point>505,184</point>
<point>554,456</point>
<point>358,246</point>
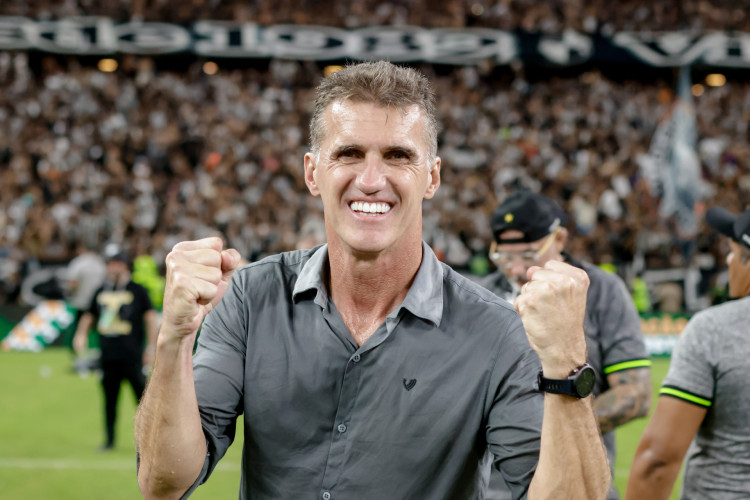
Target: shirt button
<point>342,428</point>
<point>326,495</point>
<point>355,358</point>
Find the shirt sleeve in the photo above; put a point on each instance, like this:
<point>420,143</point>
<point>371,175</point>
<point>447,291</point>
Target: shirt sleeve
<point>218,367</point>
<point>517,407</point>
<point>619,324</point>
<point>691,370</point>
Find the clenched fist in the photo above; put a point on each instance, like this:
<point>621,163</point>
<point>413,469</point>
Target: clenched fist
<point>552,306</point>
<point>198,273</point>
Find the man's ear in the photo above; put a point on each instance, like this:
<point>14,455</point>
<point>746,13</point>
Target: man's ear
<point>312,184</point>
<point>434,179</point>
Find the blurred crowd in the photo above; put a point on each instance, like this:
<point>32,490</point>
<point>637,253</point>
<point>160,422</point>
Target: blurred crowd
<point>550,17</point>
<point>144,157</point>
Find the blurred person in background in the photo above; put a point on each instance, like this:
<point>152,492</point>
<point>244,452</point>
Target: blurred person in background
<point>126,324</point>
<point>704,402</point>
<point>85,275</point>
<point>365,368</point>
<point>529,231</point>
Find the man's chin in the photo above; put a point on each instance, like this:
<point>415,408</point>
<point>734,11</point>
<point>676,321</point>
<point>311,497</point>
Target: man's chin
<point>365,248</point>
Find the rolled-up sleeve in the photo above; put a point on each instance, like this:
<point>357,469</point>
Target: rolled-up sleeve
<point>219,370</point>
<point>517,408</point>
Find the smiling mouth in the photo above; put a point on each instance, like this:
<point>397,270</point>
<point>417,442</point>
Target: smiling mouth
<point>370,209</point>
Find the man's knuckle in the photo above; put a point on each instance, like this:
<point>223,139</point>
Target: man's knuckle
<point>215,275</point>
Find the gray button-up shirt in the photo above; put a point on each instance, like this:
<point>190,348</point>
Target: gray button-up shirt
<point>409,414</point>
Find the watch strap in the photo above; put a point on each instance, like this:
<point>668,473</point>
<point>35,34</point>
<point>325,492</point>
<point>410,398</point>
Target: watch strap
<point>567,386</point>
<point>557,386</point>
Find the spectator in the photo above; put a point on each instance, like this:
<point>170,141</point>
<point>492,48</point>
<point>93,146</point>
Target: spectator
<point>85,275</point>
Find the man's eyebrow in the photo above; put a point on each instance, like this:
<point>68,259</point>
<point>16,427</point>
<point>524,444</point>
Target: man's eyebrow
<point>406,151</point>
<point>344,148</point>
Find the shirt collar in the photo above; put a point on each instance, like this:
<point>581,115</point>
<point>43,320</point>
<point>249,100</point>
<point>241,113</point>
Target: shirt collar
<point>424,298</point>
<point>311,277</point>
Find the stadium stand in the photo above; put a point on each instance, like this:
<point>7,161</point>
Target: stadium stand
<point>148,155</point>
<point>552,16</point>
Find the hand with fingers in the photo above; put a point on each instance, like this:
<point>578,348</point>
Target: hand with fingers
<point>198,273</point>
<point>552,305</point>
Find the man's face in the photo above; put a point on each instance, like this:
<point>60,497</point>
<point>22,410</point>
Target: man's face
<point>372,173</point>
<point>739,272</point>
<point>116,268</point>
<point>514,259</point>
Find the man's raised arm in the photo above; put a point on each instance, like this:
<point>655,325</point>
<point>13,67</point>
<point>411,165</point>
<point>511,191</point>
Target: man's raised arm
<point>572,459</point>
<point>169,436</point>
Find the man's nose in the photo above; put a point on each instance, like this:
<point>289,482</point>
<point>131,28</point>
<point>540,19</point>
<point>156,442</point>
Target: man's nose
<point>371,178</point>
<point>517,268</point>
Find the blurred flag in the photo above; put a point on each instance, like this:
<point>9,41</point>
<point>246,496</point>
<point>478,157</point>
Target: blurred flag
<point>40,327</point>
<point>672,167</point>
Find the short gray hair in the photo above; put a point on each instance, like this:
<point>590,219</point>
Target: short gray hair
<point>381,83</point>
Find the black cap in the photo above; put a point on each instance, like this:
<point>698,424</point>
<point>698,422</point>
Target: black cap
<point>534,215</point>
<point>113,253</point>
<point>736,226</point>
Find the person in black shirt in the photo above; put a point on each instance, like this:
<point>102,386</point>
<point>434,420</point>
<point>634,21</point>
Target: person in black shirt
<point>124,320</point>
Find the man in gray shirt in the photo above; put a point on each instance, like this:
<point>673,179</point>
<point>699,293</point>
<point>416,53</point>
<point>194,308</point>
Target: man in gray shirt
<point>529,230</point>
<point>85,274</point>
<point>704,402</point>
<point>365,368</point>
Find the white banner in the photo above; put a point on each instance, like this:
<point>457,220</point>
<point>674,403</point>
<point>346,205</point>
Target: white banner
<point>102,36</point>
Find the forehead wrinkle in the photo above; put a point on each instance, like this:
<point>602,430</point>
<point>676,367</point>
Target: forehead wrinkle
<point>341,111</point>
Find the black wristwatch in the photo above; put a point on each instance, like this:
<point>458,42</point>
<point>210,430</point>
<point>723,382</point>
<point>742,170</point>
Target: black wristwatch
<point>579,384</point>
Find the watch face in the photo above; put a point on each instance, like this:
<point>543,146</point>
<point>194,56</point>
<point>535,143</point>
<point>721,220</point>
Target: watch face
<point>585,381</point>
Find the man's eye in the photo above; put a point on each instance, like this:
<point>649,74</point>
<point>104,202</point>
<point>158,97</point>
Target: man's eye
<point>348,154</point>
<point>398,156</point>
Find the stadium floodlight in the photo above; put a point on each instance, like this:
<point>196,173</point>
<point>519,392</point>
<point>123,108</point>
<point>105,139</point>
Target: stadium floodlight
<point>331,69</point>
<point>210,68</point>
<point>716,80</point>
<point>107,65</point>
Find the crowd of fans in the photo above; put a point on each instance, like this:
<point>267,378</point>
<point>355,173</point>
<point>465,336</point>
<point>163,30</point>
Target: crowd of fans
<point>145,157</point>
<point>550,17</point>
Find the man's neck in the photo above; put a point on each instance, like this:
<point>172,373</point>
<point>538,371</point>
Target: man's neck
<point>366,289</point>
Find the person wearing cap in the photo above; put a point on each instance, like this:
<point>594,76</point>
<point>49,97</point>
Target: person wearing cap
<point>529,230</point>
<point>703,410</point>
<point>125,321</point>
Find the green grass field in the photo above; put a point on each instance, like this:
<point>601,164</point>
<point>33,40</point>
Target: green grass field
<point>51,424</point>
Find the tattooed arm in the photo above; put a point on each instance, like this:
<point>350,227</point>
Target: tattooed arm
<point>628,397</point>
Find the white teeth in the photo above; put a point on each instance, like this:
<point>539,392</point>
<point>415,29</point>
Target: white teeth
<point>370,208</point>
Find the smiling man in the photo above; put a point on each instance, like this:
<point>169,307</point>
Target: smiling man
<point>365,368</point>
